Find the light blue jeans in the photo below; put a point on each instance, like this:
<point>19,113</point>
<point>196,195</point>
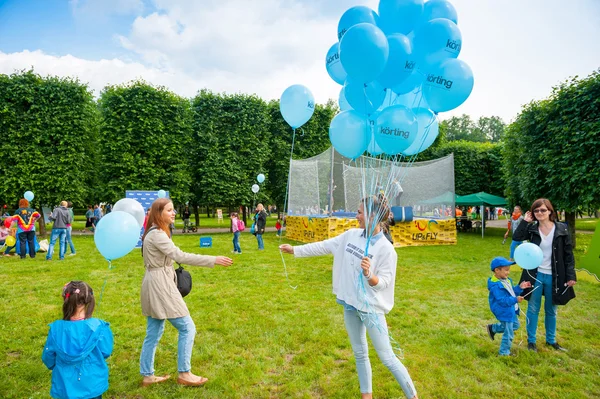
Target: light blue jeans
<point>61,235</point>
<point>261,243</point>
<point>513,245</point>
<point>154,331</point>
<point>533,309</point>
<point>357,331</point>
<point>507,329</point>
<point>70,239</point>
<point>236,242</point>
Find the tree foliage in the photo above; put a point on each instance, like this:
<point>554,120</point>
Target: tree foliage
<point>551,150</point>
<point>485,129</point>
<point>144,138</point>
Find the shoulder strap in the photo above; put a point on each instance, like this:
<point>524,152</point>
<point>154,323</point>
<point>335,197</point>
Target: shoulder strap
<point>149,230</point>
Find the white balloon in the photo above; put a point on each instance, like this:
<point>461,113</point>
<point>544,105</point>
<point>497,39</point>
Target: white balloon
<point>133,208</point>
<point>255,188</point>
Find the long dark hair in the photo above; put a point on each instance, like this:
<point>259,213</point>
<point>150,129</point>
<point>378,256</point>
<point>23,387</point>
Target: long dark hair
<point>75,294</point>
<point>543,201</point>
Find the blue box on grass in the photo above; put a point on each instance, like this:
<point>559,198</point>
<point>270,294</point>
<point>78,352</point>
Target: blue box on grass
<point>206,242</point>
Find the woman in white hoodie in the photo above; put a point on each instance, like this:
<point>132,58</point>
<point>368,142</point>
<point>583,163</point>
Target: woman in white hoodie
<point>364,310</point>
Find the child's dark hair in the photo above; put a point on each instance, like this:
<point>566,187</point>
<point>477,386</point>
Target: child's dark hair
<point>75,294</point>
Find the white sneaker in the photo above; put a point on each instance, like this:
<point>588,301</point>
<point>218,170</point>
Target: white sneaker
<point>71,255</point>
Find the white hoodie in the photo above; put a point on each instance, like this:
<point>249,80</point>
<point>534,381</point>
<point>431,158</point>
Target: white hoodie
<point>348,251</point>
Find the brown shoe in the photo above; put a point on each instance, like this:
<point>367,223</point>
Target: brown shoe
<point>201,381</point>
<point>154,380</point>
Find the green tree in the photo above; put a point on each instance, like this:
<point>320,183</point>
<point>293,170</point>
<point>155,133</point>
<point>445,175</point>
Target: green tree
<point>144,138</point>
<point>492,128</point>
<point>551,150</point>
<point>486,129</point>
<point>49,134</point>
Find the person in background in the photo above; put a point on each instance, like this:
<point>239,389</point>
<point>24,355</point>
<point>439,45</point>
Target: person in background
<point>89,219</point>
<point>61,218</point>
<point>235,229</point>
<point>70,228</point>
<point>77,347</point>
<point>278,227</point>
<point>260,220</point>
<point>513,223</point>
<point>97,214</point>
<point>185,215</point>
<point>26,218</point>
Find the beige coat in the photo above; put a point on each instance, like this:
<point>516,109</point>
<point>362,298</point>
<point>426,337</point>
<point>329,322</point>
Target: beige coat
<point>160,297</point>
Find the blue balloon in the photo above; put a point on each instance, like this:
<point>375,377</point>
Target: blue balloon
<point>364,98</point>
<point>427,133</point>
<point>439,9</point>
<point>373,148</point>
<point>389,99</point>
<point>413,99</point>
<point>162,193</point>
<point>435,42</point>
<point>529,256</point>
<point>297,105</point>
<point>349,133</point>
<point>334,66</point>
<point>28,196</point>
<point>354,16</point>
<point>396,129</point>
<point>342,102</point>
<point>364,51</point>
<point>399,16</point>
<point>260,178</point>
<point>116,234</point>
<point>448,86</point>
<point>401,62</point>
<point>413,81</point>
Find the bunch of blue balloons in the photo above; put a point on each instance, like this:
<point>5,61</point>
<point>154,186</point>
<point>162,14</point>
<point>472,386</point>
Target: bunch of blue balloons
<point>399,67</point>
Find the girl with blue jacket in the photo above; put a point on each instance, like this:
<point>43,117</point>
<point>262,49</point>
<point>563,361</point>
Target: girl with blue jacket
<point>77,347</point>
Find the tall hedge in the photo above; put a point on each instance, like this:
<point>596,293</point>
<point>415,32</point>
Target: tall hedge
<point>145,139</point>
<point>48,136</point>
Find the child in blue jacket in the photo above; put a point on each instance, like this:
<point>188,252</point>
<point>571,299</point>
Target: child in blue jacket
<point>504,300</point>
<point>77,347</point>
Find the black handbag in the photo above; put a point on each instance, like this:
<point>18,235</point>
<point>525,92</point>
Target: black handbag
<point>183,278</point>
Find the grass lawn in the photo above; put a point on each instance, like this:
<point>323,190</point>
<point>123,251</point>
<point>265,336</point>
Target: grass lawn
<point>258,338</point>
<point>586,224</point>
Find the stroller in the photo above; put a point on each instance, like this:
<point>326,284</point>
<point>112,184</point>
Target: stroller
<point>191,227</point>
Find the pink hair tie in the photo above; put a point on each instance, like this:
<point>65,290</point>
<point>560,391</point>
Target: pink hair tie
<point>77,291</point>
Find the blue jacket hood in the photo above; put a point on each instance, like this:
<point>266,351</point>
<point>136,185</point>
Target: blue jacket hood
<point>75,340</point>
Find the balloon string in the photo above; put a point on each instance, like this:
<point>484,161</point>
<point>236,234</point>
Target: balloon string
<point>285,270</point>
<point>110,267</point>
<point>285,202</point>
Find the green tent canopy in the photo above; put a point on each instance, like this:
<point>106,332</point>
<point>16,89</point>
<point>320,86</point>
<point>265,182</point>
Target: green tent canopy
<point>480,198</point>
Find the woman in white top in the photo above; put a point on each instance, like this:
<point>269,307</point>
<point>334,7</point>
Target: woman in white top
<point>555,277</point>
<point>364,311</point>
<point>161,299</point>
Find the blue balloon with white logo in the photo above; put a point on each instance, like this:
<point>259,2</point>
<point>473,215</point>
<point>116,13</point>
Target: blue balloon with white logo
<point>364,52</point>
<point>354,16</point>
<point>529,256</point>
<point>427,133</point>
<point>116,234</point>
<point>364,98</point>
<point>28,196</point>
<point>401,62</point>
<point>396,129</point>
<point>334,65</point>
<point>439,9</point>
<point>342,102</point>
<point>436,41</point>
<point>399,16</point>
<point>349,133</point>
<point>297,105</point>
<point>448,85</point>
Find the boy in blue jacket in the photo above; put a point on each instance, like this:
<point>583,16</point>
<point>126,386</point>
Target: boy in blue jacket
<point>504,300</point>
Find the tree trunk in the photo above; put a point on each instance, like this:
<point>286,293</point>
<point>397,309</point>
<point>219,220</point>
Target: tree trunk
<point>42,223</point>
<point>570,219</point>
<point>208,212</point>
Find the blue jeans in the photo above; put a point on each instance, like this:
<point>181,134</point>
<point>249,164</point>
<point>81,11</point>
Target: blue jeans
<point>261,243</point>
<point>533,309</point>
<point>236,242</point>
<point>513,245</point>
<point>61,235</point>
<point>507,329</point>
<point>70,239</point>
<point>357,331</point>
<point>154,330</point>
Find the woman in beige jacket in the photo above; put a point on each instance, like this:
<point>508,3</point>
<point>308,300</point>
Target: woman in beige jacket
<point>160,298</point>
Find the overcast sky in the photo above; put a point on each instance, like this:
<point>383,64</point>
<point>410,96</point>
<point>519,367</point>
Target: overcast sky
<point>518,49</point>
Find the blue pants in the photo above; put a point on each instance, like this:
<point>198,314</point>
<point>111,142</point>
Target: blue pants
<point>507,329</point>
<point>357,331</point>
<point>261,243</point>
<point>70,239</point>
<point>154,331</point>
<point>533,309</point>
<point>236,242</point>
<point>61,235</point>
<point>513,245</point>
